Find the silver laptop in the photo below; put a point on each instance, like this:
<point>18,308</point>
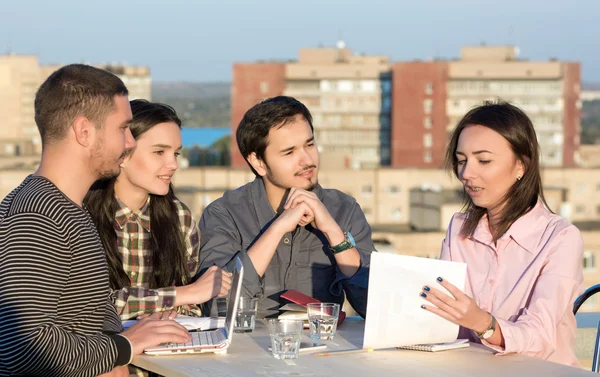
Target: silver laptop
<point>216,341</point>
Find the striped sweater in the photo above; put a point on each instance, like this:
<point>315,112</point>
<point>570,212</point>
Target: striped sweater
<point>56,316</point>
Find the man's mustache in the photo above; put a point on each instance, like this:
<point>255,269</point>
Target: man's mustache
<point>306,169</point>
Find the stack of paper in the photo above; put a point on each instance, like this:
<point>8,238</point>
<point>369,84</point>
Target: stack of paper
<point>436,347</point>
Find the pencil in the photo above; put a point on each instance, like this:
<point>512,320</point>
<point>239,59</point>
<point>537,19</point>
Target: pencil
<point>334,353</point>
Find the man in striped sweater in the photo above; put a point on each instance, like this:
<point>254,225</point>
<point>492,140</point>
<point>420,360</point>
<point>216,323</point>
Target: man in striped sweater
<point>56,316</point>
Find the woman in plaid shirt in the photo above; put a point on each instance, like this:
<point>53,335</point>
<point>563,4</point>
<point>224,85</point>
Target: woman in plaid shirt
<point>150,237</point>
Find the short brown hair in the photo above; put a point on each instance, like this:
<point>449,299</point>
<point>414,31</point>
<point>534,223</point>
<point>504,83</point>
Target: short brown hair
<point>516,127</point>
<point>75,90</point>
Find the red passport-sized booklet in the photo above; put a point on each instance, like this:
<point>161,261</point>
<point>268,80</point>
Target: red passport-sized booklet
<point>303,300</point>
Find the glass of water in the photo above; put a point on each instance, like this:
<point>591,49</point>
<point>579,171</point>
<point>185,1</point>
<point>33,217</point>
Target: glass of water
<point>323,319</point>
<point>285,337</point>
<point>246,314</point>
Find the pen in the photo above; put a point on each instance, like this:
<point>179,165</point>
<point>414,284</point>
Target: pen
<point>333,353</point>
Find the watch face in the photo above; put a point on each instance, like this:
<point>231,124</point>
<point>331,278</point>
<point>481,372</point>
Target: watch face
<point>488,334</point>
<point>351,239</point>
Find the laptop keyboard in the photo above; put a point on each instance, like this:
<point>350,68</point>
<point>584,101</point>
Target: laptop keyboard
<point>201,338</point>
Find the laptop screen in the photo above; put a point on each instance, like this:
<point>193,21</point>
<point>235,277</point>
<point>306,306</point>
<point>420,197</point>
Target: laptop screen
<point>234,296</point>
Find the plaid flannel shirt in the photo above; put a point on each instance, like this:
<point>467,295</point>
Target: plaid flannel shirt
<point>134,243</point>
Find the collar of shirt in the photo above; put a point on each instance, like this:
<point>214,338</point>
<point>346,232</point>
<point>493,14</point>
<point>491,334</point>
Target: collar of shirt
<point>526,231</point>
<point>125,215</point>
<point>262,206</point>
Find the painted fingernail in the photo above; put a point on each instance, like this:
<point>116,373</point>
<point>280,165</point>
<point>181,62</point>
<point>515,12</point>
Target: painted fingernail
<point>423,294</point>
<point>426,288</point>
<point>440,279</point>
<point>423,307</point>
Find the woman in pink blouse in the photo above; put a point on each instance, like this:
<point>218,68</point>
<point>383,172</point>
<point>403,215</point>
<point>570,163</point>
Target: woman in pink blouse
<point>524,263</point>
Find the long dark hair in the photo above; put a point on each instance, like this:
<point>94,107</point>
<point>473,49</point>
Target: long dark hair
<point>514,125</point>
<point>168,243</point>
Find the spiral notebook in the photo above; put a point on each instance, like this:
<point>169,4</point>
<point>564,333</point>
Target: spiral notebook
<point>435,347</point>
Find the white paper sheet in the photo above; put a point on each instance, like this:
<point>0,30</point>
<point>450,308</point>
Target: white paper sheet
<point>394,314</point>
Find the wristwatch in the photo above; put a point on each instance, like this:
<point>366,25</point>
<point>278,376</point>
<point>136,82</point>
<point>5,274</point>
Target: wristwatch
<point>347,243</point>
<point>487,333</point>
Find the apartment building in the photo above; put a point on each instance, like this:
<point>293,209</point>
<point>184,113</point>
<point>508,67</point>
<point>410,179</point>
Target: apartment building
<point>348,96</point>
<point>371,112</point>
<point>20,77</point>
<point>430,97</point>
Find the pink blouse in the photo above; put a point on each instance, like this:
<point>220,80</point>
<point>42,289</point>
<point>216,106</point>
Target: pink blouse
<point>529,281</point>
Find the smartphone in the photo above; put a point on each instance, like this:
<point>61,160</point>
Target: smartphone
<point>308,347</point>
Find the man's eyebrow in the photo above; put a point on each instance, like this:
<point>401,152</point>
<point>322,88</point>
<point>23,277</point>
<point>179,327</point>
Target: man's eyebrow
<point>287,149</point>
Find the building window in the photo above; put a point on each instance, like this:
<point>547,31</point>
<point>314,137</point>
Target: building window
<point>598,188</point>
<point>427,122</point>
<point>368,85</point>
<point>396,214</point>
<point>325,86</point>
<point>598,210</point>
<point>386,86</point>
<point>393,189</point>
<point>335,120</point>
<point>367,190</point>
<point>427,106</point>
<point>580,209</point>
<point>345,86</point>
<point>264,87</point>
<point>427,156</point>
<point>367,211</point>
<point>429,88</point>
<point>357,120</point>
<point>427,140</point>
<point>386,104</point>
<point>589,261</point>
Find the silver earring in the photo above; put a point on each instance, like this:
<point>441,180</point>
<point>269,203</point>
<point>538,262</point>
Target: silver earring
<point>518,177</point>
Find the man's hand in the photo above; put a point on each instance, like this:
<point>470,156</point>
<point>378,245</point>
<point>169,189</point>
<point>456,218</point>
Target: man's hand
<point>322,218</point>
<point>148,333</point>
<point>290,218</point>
<point>215,282</point>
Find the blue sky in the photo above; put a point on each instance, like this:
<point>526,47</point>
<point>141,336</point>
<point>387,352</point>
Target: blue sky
<point>198,40</point>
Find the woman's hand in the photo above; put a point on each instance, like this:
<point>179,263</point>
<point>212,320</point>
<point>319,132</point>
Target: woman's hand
<point>457,308</point>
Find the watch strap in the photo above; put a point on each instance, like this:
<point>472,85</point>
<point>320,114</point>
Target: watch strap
<point>346,244</point>
<point>491,327</point>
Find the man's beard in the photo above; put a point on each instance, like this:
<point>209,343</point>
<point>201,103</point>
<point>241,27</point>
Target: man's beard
<point>105,169</point>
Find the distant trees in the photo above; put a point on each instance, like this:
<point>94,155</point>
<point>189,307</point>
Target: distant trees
<point>216,155</point>
<point>197,104</point>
